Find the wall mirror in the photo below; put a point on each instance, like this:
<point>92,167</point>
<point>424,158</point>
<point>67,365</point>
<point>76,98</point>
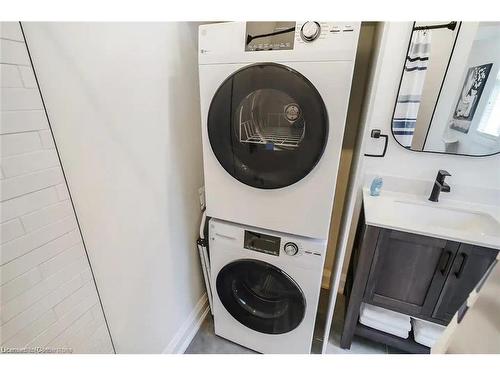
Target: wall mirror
<point>449,93</point>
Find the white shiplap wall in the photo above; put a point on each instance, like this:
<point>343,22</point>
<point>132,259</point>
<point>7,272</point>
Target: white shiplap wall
<point>47,294</point>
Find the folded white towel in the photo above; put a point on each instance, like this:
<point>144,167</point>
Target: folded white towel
<point>384,327</point>
<point>425,331</point>
<point>384,316</point>
<point>424,340</point>
<point>385,323</point>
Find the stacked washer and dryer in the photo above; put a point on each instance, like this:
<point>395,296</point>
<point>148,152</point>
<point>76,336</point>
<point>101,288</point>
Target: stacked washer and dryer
<point>274,98</point>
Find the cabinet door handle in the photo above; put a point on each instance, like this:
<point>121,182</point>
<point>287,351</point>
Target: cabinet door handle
<point>462,265</point>
<point>445,260</point>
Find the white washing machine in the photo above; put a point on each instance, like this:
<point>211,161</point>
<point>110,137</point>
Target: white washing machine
<point>265,287</point>
<point>274,99</point>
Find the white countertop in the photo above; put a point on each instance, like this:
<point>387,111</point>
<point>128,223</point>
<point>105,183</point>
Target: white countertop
<point>416,214</point>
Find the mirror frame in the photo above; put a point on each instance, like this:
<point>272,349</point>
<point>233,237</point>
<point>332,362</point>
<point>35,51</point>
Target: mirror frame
<point>437,100</point>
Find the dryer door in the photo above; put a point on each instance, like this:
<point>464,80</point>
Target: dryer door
<point>267,125</point>
<point>261,296</point>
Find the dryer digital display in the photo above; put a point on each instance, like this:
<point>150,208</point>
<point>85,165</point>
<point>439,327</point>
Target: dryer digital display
<point>262,243</point>
<point>267,36</point>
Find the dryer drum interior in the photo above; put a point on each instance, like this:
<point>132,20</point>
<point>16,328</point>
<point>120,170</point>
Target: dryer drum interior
<point>261,296</point>
<point>267,125</point>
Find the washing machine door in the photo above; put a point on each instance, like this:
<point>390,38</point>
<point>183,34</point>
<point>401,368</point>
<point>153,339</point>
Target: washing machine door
<point>267,125</point>
<point>261,296</point>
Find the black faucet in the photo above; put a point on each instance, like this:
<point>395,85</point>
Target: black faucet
<point>439,185</point>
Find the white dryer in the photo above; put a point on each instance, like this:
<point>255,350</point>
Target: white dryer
<point>265,287</point>
<point>274,99</point>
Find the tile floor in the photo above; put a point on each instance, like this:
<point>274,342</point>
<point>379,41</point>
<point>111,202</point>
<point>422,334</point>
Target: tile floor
<point>206,342</point>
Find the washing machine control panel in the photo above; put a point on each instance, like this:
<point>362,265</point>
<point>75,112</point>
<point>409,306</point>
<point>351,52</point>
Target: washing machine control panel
<point>276,245</point>
<point>296,248</point>
<point>291,248</point>
<point>263,243</point>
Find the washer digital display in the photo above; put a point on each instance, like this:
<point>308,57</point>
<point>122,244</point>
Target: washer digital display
<point>262,243</point>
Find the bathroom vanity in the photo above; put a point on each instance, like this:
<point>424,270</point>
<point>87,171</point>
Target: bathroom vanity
<point>422,246</point>
<point>418,258</point>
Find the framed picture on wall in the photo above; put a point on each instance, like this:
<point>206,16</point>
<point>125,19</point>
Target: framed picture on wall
<point>473,87</point>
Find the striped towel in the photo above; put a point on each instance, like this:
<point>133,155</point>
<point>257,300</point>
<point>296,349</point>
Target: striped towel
<point>412,84</point>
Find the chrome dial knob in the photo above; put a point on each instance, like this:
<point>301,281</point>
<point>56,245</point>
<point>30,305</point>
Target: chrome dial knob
<point>291,248</point>
<point>310,31</point>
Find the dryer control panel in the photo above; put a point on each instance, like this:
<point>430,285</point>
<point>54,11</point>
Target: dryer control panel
<point>248,42</point>
<point>276,36</point>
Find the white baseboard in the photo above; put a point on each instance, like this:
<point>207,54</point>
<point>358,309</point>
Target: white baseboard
<point>188,329</point>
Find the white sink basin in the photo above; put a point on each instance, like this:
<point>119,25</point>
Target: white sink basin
<point>449,217</point>
<point>467,222</point>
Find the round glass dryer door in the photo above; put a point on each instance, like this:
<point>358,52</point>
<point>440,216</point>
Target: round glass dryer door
<point>261,296</point>
<point>267,125</point>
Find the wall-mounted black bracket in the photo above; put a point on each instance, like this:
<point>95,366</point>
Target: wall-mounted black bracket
<point>376,133</point>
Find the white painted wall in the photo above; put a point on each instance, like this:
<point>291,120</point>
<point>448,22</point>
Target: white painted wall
<point>123,102</point>
<point>47,295</point>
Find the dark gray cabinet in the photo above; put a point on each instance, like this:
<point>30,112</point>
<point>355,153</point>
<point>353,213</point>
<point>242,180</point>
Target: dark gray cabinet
<point>420,276</point>
<point>408,272</point>
<point>468,267</point>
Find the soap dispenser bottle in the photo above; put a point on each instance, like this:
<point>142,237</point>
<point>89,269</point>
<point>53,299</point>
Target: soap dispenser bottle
<point>376,186</point>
